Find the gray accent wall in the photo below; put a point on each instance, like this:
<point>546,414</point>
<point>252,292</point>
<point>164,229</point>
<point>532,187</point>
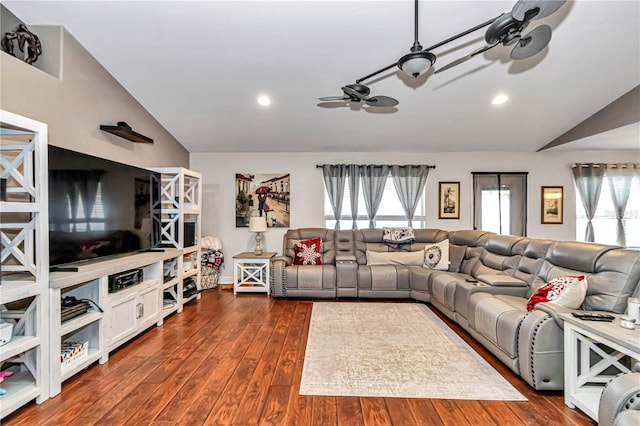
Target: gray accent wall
<point>75,95</point>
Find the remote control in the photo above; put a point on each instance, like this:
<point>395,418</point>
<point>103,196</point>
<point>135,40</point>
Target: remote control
<point>593,316</point>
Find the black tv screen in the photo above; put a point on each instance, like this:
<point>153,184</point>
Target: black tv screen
<point>97,207</point>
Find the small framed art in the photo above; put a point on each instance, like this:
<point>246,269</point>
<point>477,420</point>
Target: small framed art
<point>449,200</point>
<point>552,205</point>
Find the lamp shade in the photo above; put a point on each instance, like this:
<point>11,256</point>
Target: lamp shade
<point>257,224</point>
<point>416,63</point>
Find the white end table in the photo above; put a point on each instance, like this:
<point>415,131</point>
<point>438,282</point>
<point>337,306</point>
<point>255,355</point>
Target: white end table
<point>251,272</point>
<point>590,348</point>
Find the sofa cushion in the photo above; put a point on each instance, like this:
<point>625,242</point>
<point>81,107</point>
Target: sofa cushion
<point>498,318</point>
<point>406,258</point>
<point>436,256</point>
<point>564,291</point>
<point>307,252</point>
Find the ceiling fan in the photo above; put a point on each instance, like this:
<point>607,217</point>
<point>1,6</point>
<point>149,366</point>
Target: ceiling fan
<point>505,29</point>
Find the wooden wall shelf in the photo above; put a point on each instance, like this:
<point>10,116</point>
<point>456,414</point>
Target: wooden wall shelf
<point>124,131</point>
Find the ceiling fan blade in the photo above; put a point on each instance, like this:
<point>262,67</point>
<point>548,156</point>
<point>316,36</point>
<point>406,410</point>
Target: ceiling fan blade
<point>466,58</point>
<point>523,8</point>
<point>532,43</point>
<point>381,101</point>
<point>333,98</point>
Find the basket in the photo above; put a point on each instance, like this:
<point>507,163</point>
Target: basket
<point>209,277</point>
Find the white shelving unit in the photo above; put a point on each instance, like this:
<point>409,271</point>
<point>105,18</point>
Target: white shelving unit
<point>118,316</point>
<point>25,265</point>
<point>177,215</point>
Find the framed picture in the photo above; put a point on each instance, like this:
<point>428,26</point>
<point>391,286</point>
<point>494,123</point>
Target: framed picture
<point>449,200</point>
<point>264,194</point>
<point>552,205</point>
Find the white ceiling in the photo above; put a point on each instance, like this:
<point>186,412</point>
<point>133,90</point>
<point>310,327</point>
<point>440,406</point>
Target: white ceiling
<point>198,68</point>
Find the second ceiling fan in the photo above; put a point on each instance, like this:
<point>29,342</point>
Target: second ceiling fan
<point>505,29</point>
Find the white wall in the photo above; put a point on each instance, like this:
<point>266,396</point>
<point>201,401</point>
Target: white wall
<point>545,169</point>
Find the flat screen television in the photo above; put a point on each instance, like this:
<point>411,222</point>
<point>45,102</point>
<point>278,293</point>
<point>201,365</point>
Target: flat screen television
<point>97,207</point>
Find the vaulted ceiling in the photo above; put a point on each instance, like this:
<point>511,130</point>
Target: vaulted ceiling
<point>198,68</point>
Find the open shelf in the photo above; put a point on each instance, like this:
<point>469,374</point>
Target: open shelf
<point>18,286</point>
<point>18,345</point>
<point>73,369</point>
<point>21,388</point>
<point>80,321</point>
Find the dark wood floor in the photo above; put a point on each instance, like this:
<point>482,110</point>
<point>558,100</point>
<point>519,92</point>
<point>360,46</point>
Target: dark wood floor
<point>238,360</point>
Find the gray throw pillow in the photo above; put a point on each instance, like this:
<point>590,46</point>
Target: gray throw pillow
<point>456,256</point>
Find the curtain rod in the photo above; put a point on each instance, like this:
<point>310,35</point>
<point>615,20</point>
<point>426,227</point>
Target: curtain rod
<point>611,165</point>
<point>319,166</point>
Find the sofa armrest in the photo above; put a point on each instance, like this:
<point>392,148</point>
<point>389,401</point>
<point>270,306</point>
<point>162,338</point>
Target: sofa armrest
<point>345,258</point>
<point>346,275</point>
<point>286,259</point>
<point>277,284</point>
<point>502,281</point>
<point>541,351</point>
<point>618,403</point>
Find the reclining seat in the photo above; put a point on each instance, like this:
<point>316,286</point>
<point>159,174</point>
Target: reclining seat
<point>318,281</point>
<point>613,275</point>
<point>492,310</point>
<point>464,248</point>
<point>389,280</point>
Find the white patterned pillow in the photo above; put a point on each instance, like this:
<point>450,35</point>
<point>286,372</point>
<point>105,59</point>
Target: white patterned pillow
<point>397,236</point>
<point>567,291</point>
<point>436,256</point>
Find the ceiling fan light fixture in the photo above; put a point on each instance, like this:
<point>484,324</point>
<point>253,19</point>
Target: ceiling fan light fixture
<point>415,63</point>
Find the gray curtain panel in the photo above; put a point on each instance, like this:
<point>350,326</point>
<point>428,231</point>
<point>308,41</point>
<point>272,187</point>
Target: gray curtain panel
<point>588,179</point>
<point>353,178</point>
<point>620,177</point>
<point>334,178</point>
<point>374,177</point>
<point>409,182</point>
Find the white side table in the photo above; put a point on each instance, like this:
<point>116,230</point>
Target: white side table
<point>251,272</point>
<point>590,348</point>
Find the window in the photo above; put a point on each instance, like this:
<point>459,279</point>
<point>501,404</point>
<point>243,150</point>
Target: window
<point>500,202</point>
<point>605,222</point>
<point>390,212</point>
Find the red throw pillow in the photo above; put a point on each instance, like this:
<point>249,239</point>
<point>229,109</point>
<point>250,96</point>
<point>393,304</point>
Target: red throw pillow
<point>308,252</point>
<point>567,291</point>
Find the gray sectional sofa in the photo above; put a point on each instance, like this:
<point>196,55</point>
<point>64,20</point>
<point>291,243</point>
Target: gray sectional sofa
<point>494,309</point>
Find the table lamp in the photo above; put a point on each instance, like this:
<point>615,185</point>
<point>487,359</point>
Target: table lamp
<point>258,224</point>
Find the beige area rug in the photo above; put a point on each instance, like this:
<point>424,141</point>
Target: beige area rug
<point>394,350</point>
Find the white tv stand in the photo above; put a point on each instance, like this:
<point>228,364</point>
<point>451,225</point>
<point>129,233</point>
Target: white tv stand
<point>126,314</point>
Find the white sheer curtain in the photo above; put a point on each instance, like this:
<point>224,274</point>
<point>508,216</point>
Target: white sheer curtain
<point>353,178</point>
<point>500,202</point>
<point>409,182</point>
<point>620,177</point>
<point>374,178</point>
<point>588,179</point>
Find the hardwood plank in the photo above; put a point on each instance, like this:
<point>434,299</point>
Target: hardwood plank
<point>252,402</point>
<point>424,412</point>
<point>324,411</point>
<point>374,412</point>
<point>475,412</point>
<point>400,411</point>
<point>449,412</point>
<point>275,405</point>
<point>349,411</point>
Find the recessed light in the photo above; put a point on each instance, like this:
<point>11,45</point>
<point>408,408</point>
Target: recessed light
<point>500,99</point>
<point>264,100</point>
